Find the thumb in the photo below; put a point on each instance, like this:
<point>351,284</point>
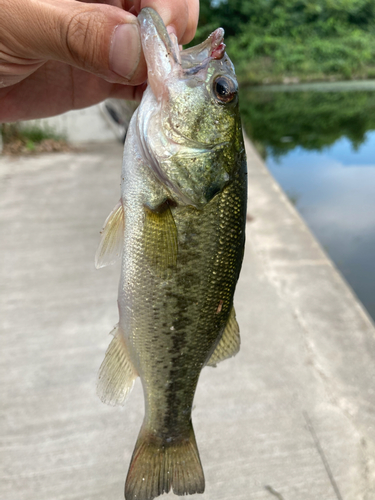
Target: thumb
<point>101,39</point>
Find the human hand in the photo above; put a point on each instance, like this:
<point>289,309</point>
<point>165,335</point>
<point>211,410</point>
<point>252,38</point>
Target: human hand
<point>57,55</point>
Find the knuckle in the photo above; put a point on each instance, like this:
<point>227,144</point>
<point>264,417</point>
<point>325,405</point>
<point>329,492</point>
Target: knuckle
<point>83,39</point>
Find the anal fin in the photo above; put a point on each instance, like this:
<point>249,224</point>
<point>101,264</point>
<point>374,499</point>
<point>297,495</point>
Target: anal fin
<point>116,374</point>
<point>230,342</point>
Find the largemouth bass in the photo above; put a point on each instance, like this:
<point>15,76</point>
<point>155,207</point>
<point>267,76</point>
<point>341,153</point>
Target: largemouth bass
<point>180,225</point>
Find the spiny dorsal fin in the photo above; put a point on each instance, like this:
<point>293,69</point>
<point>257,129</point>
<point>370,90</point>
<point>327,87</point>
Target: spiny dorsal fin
<point>229,344</point>
<point>116,374</point>
<point>111,241</point>
<point>160,240</point>
<point>159,464</point>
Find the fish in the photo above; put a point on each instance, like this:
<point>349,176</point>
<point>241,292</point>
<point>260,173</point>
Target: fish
<point>179,229</point>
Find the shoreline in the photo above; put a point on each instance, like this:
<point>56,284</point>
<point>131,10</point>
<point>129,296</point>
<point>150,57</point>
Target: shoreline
<point>316,86</point>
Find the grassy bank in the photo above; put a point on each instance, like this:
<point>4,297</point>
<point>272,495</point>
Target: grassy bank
<point>18,139</point>
<point>281,41</point>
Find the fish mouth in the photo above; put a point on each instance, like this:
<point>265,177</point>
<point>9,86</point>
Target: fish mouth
<point>191,60</point>
<point>198,57</point>
<point>149,17</point>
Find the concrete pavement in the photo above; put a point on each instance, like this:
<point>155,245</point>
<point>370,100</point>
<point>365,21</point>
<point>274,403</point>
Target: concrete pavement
<point>292,417</point>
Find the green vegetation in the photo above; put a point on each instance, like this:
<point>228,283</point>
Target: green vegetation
<point>20,139</point>
<point>280,121</point>
<point>285,40</point>
<point>31,135</point>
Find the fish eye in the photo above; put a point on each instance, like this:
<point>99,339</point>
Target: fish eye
<point>225,89</point>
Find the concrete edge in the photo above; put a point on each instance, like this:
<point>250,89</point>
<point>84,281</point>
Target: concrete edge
<point>254,156</point>
<point>338,333</point>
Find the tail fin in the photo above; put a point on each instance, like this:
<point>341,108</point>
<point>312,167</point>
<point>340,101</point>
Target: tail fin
<point>157,466</point>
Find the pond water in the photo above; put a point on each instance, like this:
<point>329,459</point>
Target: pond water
<point>318,141</point>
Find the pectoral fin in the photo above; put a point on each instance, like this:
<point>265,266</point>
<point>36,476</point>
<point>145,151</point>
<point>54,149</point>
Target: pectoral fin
<point>117,373</point>
<point>229,344</point>
<point>160,240</point>
<point>110,246</point>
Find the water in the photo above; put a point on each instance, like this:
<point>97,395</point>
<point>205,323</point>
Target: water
<point>319,143</point>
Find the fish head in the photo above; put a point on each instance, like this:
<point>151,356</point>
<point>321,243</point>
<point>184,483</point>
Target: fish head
<point>195,131</point>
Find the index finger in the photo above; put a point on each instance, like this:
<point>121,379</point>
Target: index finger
<point>180,15</point>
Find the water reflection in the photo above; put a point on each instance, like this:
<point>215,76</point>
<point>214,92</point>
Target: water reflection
<point>321,149</point>
<point>280,121</point>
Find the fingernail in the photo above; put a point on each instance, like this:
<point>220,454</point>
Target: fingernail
<point>171,29</point>
<point>125,50</point>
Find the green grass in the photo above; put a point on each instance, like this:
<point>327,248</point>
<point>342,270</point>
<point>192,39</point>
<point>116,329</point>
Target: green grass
<point>29,135</point>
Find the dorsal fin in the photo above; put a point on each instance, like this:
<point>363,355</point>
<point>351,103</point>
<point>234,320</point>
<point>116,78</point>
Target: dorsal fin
<point>230,342</point>
<point>111,241</point>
